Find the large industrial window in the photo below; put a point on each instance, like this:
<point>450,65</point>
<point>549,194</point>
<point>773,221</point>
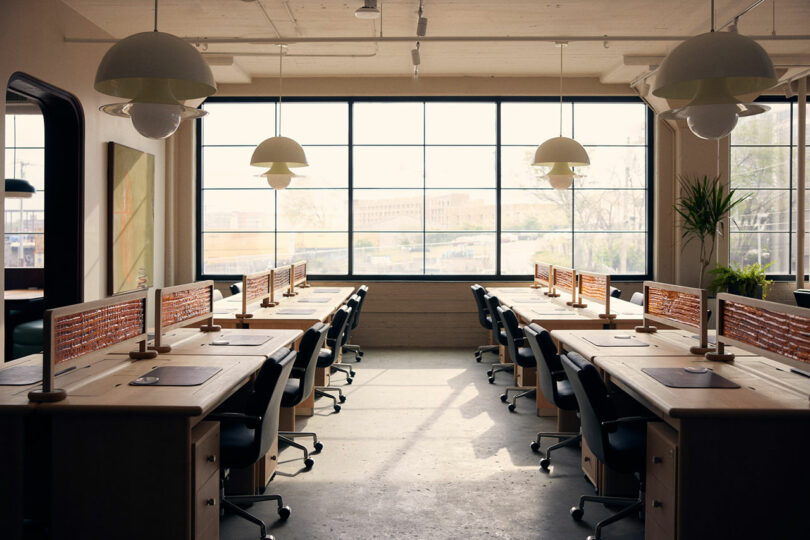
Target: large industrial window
<point>434,188</point>
<point>764,167</point>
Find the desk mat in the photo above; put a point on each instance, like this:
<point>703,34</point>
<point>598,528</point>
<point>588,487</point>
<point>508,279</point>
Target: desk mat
<point>247,340</point>
<point>621,340</point>
<point>325,291</point>
<point>295,311</point>
<point>556,312</point>
<point>20,375</point>
<point>176,376</point>
<point>234,298</point>
<point>538,300</point>
<point>712,340</point>
<point>679,378</point>
<point>311,300</point>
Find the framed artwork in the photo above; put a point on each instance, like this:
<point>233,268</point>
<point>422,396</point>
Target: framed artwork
<point>130,219</point>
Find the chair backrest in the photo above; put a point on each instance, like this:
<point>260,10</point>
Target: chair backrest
<point>637,298</point>
<point>492,304</point>
<point>354,302</point>
<point>362,290</point>
<point>514,335</point>
<point>615,293</point>
<point>337,329</point>
<point>595,405</point>
<point>308,350</point>
<point>478,293</point>
<point>802,297</point>
<point>235,288</point>
<point>549,366</point>
<point>265,400</point>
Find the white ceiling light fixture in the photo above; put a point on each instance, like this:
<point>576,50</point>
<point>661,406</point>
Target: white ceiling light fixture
<point>711,70</point>
<point>279,153</point>
<point>368,11</point>
<point>156,71</point>
<point>561,153</point>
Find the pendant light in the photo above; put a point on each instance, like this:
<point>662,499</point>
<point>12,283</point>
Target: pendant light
<point>156,71</point>
<point>19,189</point>
<point>279,153</point>
<point>711,70</point>
<point>561,153</point>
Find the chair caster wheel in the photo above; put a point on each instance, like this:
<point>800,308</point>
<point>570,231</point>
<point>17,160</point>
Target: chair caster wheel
<point>544,464</point>
<point>337,408</point>
<point>504,398</point>
<point>349,380</point>
<point>511,407</point>
<point>284,512</point>
<point>576,513</point>
<point>342,398</point>
<point>308,463</point>
<point>478,359</point>
<point>535,446</point>
<point>318,446</point>
<point>491,380</point>
<point>352,373</point>
<point>269,537</point>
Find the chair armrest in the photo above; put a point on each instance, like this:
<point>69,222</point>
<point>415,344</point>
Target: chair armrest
<point>630,419</point>
<point>298,372</point>
<point>250,421</point>
<point>558,375</point>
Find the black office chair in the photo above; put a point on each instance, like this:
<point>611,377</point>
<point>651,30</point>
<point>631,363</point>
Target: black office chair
<point>492,304</point>
<point>615,293</point>
<point>484,318</point>
<point>637,298</point>
<point>246,436</point>
<point>618,442</point>
<point>354,305</point>
<point>802,297</point>
<point>553,385</point>
<point>301,383</point>
<point>362,290</point>
<point>327,356</point>
<point>235,288</point>
<point>521,355</point>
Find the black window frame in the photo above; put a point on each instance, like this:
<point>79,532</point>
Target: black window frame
<point>498,101</point>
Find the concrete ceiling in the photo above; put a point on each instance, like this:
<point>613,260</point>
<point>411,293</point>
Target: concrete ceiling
<point>612,61</point>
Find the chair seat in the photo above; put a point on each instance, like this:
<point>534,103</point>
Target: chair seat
<point>566,400</point>
<point>324,358</point>
<point>292,393</point>
<point>29,333</point>
<point>502,339</point>
<point>237,444</point>
<point>525,357</point>
<point>628,447</point>
<point>489,322</point>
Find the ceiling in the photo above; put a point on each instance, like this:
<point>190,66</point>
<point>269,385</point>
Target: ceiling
<point>612,61</point>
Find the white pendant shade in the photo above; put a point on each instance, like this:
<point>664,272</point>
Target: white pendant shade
<point>154,120</point>
<point>138,64</point>
<point>279,175</point>
<point>561,149</point>
<point>739,63</point>
<point>279,150</point>
<point>18,189</point>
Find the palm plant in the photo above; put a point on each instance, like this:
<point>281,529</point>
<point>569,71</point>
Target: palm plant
<point>703,206</point>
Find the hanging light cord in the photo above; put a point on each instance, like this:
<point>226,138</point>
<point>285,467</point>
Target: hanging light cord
<point>712,17</point>
<point>562,46</point>
<point>280,79</point>
<point>156,14</point>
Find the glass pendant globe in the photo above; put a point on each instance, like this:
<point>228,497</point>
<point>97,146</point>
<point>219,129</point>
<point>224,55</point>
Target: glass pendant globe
<point>712,121</point>
<point>155,120</point>
<point>560,176</point>
<point>279,175</point>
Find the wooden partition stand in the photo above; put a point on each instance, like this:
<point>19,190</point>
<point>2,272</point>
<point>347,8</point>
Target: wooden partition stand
<point>542,276</point>
<point>566,278</point>
<point>256,286</point>
<point>91,328</point>
<point>183,305</point>
<point>680,307</point>
<point>597,288</point>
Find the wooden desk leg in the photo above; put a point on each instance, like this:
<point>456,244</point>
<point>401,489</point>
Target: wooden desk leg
<point>286,419</point>
<point>567,421</point>
<point>11,486</point>
<point>306,407</point>
<point>544,406</point>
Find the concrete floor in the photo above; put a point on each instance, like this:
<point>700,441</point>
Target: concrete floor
<point>423,448</point>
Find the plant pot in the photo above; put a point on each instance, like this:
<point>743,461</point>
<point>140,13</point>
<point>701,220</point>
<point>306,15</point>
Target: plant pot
<point>733,289</point>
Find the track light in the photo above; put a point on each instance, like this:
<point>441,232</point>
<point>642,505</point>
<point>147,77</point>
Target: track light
<point>368,11</point>
<point>421,27</point>
<point>415,58</point>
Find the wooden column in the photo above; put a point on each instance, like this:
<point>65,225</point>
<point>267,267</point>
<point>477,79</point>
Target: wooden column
<point>800,184</point>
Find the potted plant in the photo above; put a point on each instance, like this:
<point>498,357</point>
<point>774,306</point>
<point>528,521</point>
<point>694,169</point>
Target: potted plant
<point>703,206</point>
<point>749,280</point>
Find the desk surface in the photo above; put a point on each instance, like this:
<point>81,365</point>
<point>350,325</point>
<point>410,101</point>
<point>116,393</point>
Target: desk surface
<point>191,341</point>
<point>10,295</point>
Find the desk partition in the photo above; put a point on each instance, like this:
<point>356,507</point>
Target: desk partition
<point>256,286</point>
<point>183,305</point>
<point>595,287</point>
<point>282,281</point>
<point>299,276</point>
<point>679,307</point>
<point>542,276</point>
<point>91,328</point>
<point>776,331</point>
<point>566,279</point>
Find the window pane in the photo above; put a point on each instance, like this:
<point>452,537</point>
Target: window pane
<point>25,130</point>
<point>388,123</point>
<point>388,253</point>
<point>610,123</point>
<point>460,166</point>
<point>388,209</point>
<point>519,251</point>
<point>460,123</point>
<point>24,250</point>
<point>611,253</point>
<point>237,253</point>
<point>328,167</point>
<point>748,248</point>
<point>325,253</point>
<point>313,210</point>
<point>389,166</point>
<point>468,210</point>
<point>535,210</point>
<point>532,123</point>
<point>230,168</point>
<point>772,127</point>
<point>315,123</point>
<point>806,254</point>
<point>238,210</point>
<point>760,166</point>
<point>29,165</point>
<point>238,123</point>
<point>517,170</point>
<point>460,253</point>
<point>609,210</point>
<point>614,168</point>
<point>766,210</point>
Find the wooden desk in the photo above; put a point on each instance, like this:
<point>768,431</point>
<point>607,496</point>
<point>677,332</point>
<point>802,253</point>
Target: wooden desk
<point>13,295</point>
<point>126,461</point>
<point>724,463</point>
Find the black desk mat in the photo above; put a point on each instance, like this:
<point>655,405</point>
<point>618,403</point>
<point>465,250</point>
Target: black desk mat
<point>680,378</point>
<point>291,311</point>
<point>622,340</point>
<point>176,376</point>
<point>242,340</point>
<point>20,375</point>
<point>312,300</point>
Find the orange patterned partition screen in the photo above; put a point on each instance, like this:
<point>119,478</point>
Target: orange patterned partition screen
<point>595,287</point>
<point>90,328</point>
<point>566,278</point>
<point>680,307</point>
<point>282,281</point>
<point>542,276</point>
<point>774,330</point>
<point>299,272</point>
<point>183,305</point>
<point>256,286</point>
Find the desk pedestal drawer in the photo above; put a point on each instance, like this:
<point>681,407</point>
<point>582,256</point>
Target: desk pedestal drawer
<point>206,511</point>
<point>590,465</point>
<point>205,442</point>
<point>662,452</point>
<point>660,509</point>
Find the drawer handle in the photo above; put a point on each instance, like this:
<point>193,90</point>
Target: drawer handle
<point>212,458</point>
<point>211,502</point>
<point>586,459</point>
<point>656,460</point>
<point>657,504</point>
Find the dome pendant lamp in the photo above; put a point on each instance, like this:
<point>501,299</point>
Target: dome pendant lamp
<point>561,153</point>
<point>279,153</point>
<point>711,70</point>
<point>156,72</point>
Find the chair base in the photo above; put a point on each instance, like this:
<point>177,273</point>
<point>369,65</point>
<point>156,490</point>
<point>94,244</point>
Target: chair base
<point>509,367</point>
<point>479,352</point>
<point>633,506</point>
<point>358,352</point>
<point>232,502</point>
<point>321,391</point>
<point>565,439</point>
<point>343,368</point>
<point>288,436</point>
<point>525,391</point>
